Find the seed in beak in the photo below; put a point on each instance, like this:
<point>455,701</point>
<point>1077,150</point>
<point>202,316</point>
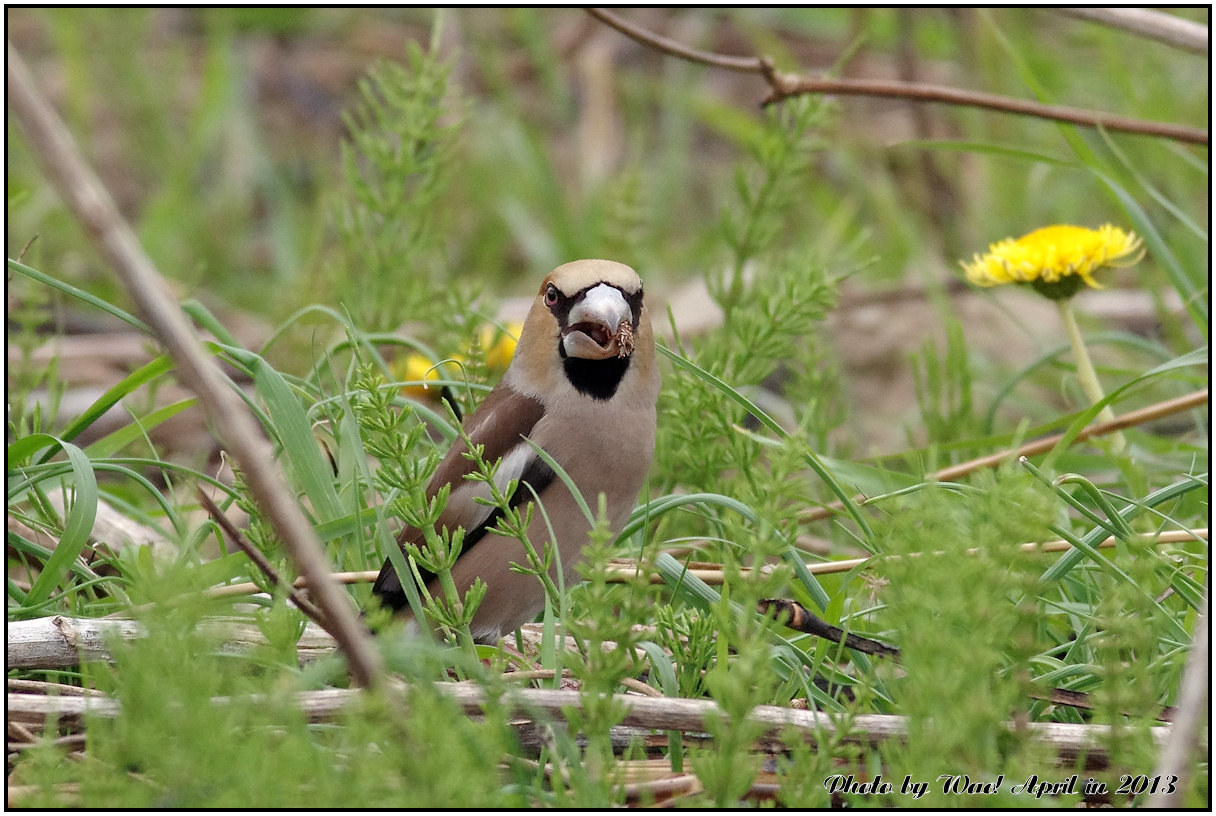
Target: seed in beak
<point>624,339</point>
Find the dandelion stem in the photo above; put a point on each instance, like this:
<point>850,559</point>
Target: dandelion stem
<point>1085,371</point>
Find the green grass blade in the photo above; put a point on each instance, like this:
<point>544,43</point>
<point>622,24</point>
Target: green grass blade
<point>77,525</point>
<point>311,471</point>
<point>143,375</point>
<point>1065,563</point>
<point>691,588</point>
<point>112,443</point>
<point>1192,358</point>
<point>566,479</point>
<point>1193,298</point>
<point>655,508</point>
<point>79,294</point>
<point>201,315</point>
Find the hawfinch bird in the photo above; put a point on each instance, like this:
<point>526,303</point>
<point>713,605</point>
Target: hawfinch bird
<point>582,386</point>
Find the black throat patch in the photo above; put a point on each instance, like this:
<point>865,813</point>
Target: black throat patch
<point>597,379</point>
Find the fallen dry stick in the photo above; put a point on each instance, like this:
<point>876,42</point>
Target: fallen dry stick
<point>62,642</point>
<point>1069,741</point>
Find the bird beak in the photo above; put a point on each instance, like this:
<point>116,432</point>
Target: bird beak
<point>599,326</point>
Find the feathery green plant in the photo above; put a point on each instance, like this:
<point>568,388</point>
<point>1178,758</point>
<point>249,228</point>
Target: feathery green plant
<point>396,165</point>
<point>966,624</point>
<point>745,448</point>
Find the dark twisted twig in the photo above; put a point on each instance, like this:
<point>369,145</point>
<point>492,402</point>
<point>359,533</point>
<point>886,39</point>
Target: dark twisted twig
<point>259,560</point>
<point>800,619</point>
<point>783,86</point>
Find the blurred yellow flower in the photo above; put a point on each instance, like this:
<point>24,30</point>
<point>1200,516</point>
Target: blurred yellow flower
<point>497,344</point>
<point>417,370</point>
<point>1055,260</point>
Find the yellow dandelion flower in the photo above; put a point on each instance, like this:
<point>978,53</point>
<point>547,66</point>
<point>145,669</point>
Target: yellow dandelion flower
<point>1055,260</point>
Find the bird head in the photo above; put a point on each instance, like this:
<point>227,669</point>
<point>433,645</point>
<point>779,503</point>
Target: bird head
<point>588,325</point>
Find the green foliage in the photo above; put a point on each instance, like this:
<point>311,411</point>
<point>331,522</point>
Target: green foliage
<point>27,374</point>
<point>602,624</point>
<point>393,438</point>
<point>476,169</point>
<point>768,338</point>
<point>396,164</point>
<point>768,194</point>
<point>943,389</point>
<point>967,622</point>
<point>255,748</point>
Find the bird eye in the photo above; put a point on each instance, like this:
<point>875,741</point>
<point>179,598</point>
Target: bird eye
<point>550,295</point>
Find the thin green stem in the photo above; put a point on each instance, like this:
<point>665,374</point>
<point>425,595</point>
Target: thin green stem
<point>1086,373</point>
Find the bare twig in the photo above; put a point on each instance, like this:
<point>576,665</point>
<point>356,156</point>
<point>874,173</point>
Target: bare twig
<point>1059,545</point>
<point>747,65</point>
<point>59,642</point>
<point>783,86</point>
<point>1178,757</point>
<point>1081,699</point>
<point>786,85</point>
<point>1128,420</point>
<point>259,560</point>
<point>1154,25</point>
<point>89,201</point>
<point>249,588</point>
<point>42,687</point>
<point>624,570</point>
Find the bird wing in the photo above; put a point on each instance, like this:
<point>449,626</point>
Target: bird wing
<point>500,425</point>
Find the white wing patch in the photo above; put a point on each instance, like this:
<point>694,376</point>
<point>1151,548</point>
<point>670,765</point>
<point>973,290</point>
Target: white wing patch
<point>463,510</point>
<point>513,464</point>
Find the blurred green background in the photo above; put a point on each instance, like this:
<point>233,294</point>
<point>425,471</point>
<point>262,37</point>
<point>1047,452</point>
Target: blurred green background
<point>421,170</point>
<point>219,131</point>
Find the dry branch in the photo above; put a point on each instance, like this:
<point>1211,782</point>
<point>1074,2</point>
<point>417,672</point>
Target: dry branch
<point>1069,741</point>
<point>259,560</point>
<point>625,569</point>
<point>1150,413</point>
<point>1153,25</point>
<point>91,204</point>
<point>1182,746</point>
<point>783,86</point>
<point>250,588</point>
<point>1058,545</point>
<point>60,641</point>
